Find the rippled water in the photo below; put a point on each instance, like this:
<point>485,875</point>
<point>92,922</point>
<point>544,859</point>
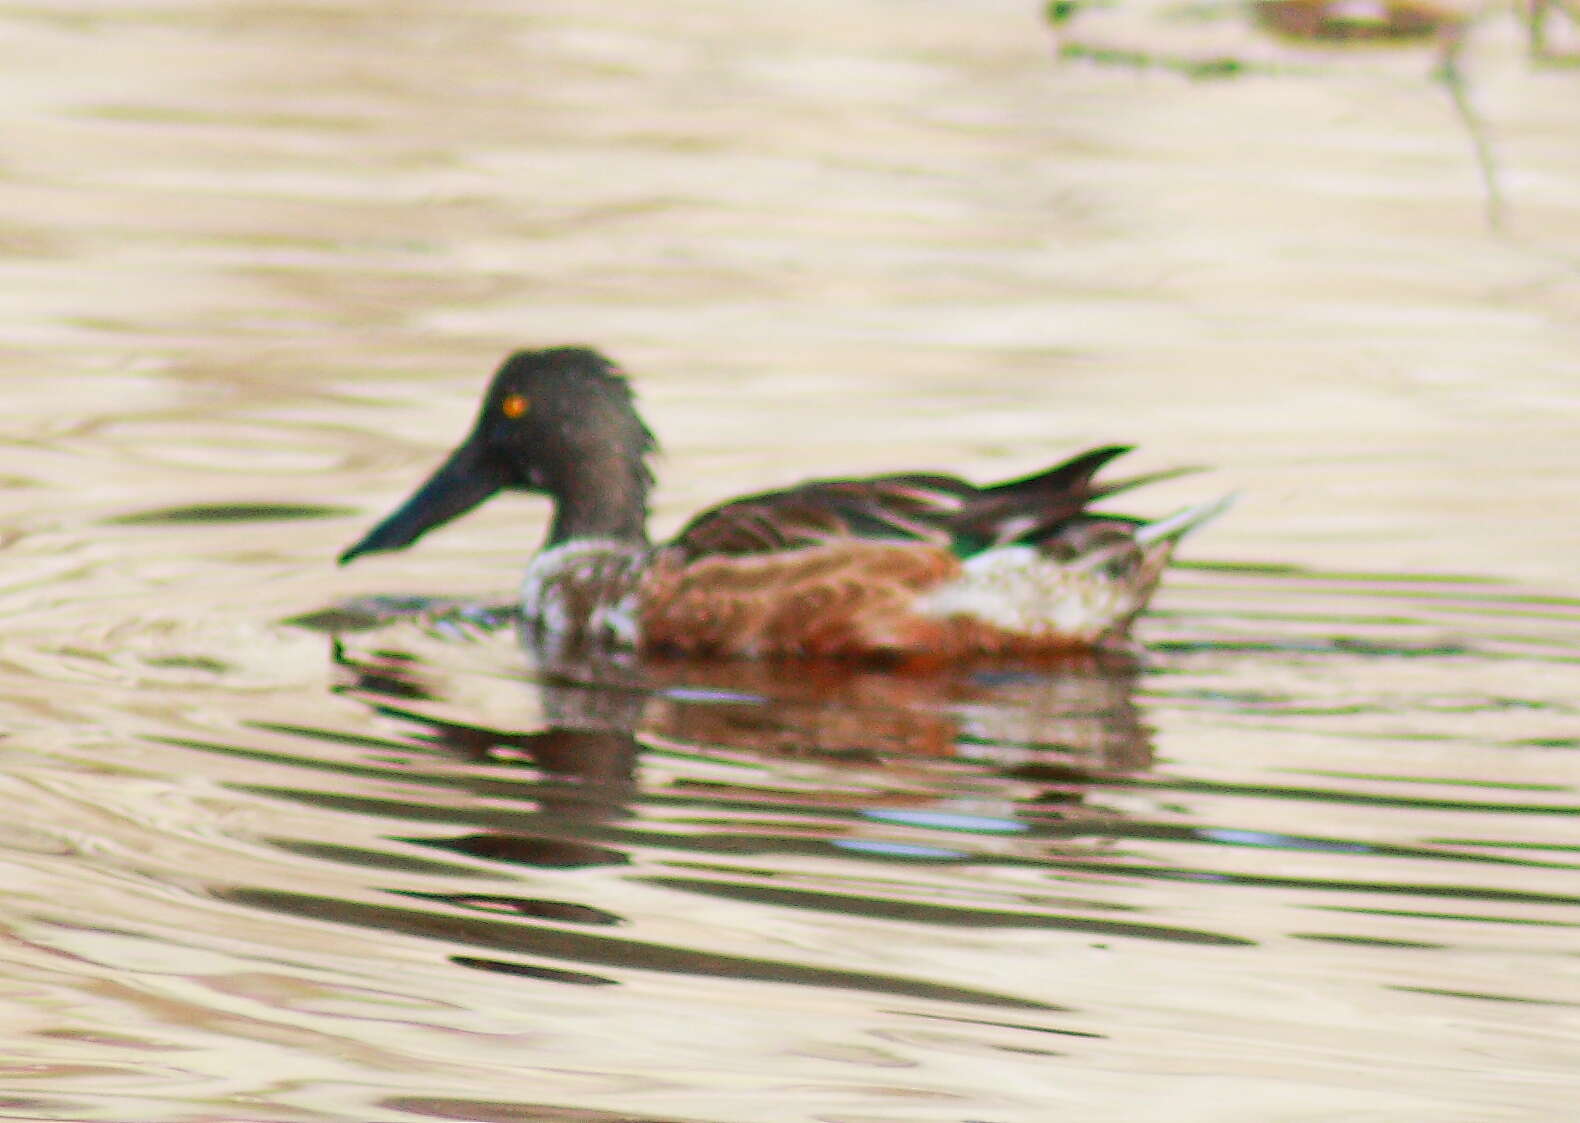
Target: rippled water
<point>288,843</point>
<point>1319,845</point>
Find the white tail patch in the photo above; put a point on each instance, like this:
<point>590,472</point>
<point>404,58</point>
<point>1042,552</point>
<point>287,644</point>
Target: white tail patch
<point>1021,590</point>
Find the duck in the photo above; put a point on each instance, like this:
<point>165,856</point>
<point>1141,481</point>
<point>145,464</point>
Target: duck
<point>918,565</point>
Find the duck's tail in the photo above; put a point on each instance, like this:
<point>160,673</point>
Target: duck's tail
<point>1171,528</point>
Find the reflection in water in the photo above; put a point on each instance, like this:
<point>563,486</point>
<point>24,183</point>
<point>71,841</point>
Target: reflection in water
<point>1353,804</point>
<point>703,779</point>
<point>569,796</point>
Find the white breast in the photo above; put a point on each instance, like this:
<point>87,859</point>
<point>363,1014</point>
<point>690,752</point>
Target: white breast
<point>586,588</point>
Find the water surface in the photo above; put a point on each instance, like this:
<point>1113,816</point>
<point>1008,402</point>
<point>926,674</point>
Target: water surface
<point>1312,855</point>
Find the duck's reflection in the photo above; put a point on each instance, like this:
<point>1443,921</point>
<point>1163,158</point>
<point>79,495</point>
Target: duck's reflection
<point>843,791</point>
<point>586,754</point>
<point>1065,718</point>
<point>1081,707</point>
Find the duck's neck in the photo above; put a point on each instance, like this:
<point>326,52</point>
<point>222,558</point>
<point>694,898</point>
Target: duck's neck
<point>603,499</point>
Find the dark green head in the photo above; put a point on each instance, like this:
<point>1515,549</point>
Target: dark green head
<point>560,422</point>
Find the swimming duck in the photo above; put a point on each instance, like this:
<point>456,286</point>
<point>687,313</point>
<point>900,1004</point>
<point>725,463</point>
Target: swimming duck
<point>912,565</point>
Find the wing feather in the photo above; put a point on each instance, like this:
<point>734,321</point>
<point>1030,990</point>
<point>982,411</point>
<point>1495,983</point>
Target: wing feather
<point>903,508</point>
<point>935,510</point>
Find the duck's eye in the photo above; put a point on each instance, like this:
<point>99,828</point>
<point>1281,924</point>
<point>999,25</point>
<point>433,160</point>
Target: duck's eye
<point>514,405</point>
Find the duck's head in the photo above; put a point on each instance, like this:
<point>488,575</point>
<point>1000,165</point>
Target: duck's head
<point>559,421</point>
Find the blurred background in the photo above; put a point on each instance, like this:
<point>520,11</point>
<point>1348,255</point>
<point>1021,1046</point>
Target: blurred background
<point>1312,859</point>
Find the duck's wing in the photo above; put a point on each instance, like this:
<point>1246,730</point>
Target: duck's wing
<point>897,508</point>
<point>931,509</point>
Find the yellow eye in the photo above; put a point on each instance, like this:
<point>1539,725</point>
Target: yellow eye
<point>514,405</point>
